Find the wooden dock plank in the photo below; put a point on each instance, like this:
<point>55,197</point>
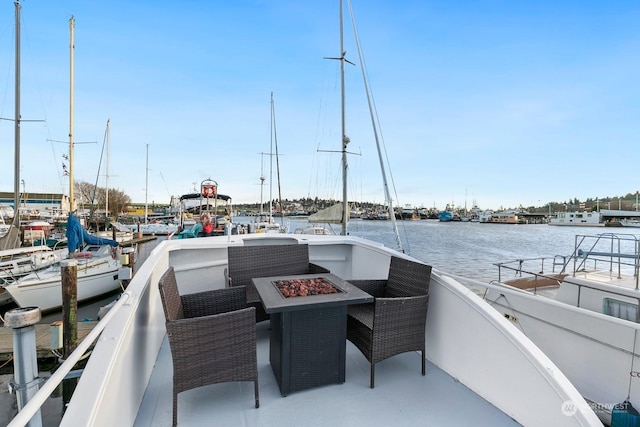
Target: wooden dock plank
<point>43,339</point>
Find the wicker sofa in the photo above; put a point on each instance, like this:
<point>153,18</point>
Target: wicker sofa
<point>248,262</point>
<point>212,336</point>
<point>395,322</point>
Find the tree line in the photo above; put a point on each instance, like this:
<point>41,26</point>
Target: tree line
<point>92,197</point>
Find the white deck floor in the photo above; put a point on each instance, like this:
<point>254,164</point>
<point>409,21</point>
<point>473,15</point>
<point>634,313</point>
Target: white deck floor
<point>402,397</point>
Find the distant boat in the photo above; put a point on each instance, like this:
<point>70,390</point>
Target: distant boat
<point>152,228</point>
<point>503,218</point>
<point>266,223</point>
<point>409,212</point>
<point>204,210</point>
<point>577,218</point>
<point>122,232</point>
<point>314,230</point>
<point>36,232</point>
<point>630,222</point>
<point>485,216</point>
<point>445,216</point>
<point>326,217</point>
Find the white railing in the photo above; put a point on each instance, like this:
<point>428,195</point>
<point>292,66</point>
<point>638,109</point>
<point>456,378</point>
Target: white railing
<point>36,402</point>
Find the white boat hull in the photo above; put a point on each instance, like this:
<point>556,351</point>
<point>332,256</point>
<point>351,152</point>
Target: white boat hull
<point>43,289</point>
<point>578,341</point>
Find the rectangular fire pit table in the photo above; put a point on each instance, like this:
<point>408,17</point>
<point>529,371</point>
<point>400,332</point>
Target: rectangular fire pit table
<point>308,333</point>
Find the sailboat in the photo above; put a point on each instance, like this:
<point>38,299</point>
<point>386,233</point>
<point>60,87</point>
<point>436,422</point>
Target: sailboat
<point>330,215</point>
<point>119,232</point>
<point>11,238</point>
<point>266,223</point>
<point>98,258</point>
<point>98,267</point>
<point>16,261</point>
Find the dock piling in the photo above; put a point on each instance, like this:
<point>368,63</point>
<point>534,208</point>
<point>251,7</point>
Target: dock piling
<point>69,269</point>
<point>25,362</point>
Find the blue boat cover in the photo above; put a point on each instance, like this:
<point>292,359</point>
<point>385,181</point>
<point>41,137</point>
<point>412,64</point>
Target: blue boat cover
<point>77,236</point>
<point>625,415</point>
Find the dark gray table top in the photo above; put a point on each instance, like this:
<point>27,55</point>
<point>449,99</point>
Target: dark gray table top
<point>274,302</point>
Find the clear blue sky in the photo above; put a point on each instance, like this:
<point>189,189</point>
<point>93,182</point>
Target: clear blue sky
<point>503,102</point>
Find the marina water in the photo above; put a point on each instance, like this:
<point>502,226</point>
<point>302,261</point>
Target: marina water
<point>471,248</point>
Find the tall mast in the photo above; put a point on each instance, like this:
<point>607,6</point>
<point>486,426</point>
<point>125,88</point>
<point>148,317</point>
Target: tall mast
<point>262,180</point>
<point>16,124</point>
<point>271,164</point>
<point>392,215</point>
<point>345,139</point>
<point>106,196</point>
<point>274,135</point>
<point>146,189</point>
<point>72,201</point>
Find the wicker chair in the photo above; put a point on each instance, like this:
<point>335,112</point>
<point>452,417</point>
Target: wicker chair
<point>212,336</point>
<point>248,262</point>
<point>395,322</point>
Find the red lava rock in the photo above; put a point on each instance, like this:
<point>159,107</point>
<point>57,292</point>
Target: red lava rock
<point>304,287</point>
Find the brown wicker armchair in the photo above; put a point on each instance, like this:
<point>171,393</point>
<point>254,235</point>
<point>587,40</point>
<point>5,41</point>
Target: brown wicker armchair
<point>395,322</point>
<point>212,336</point>
<point>248,262</point>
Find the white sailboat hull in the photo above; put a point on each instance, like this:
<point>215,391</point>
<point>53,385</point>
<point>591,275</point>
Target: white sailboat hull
<point>43,289</point>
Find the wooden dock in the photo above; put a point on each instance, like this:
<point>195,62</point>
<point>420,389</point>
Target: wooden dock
<point>142,239</point>
<point>43,340</point>
<point>43,330</point>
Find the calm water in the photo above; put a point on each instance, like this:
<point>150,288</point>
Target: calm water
<point>471,248</point>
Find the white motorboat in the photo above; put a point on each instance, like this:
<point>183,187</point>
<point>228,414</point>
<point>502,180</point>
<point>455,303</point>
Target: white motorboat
<point>98,267</point>
<point>582,311</point>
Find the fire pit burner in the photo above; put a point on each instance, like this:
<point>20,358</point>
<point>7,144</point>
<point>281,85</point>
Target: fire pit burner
<point>305,287</point>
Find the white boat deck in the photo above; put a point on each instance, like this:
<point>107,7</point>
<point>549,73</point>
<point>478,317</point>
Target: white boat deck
<point>402,396</point>
<point>483,370</point>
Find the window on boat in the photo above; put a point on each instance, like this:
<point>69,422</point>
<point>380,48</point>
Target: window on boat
<point>620,309</point>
